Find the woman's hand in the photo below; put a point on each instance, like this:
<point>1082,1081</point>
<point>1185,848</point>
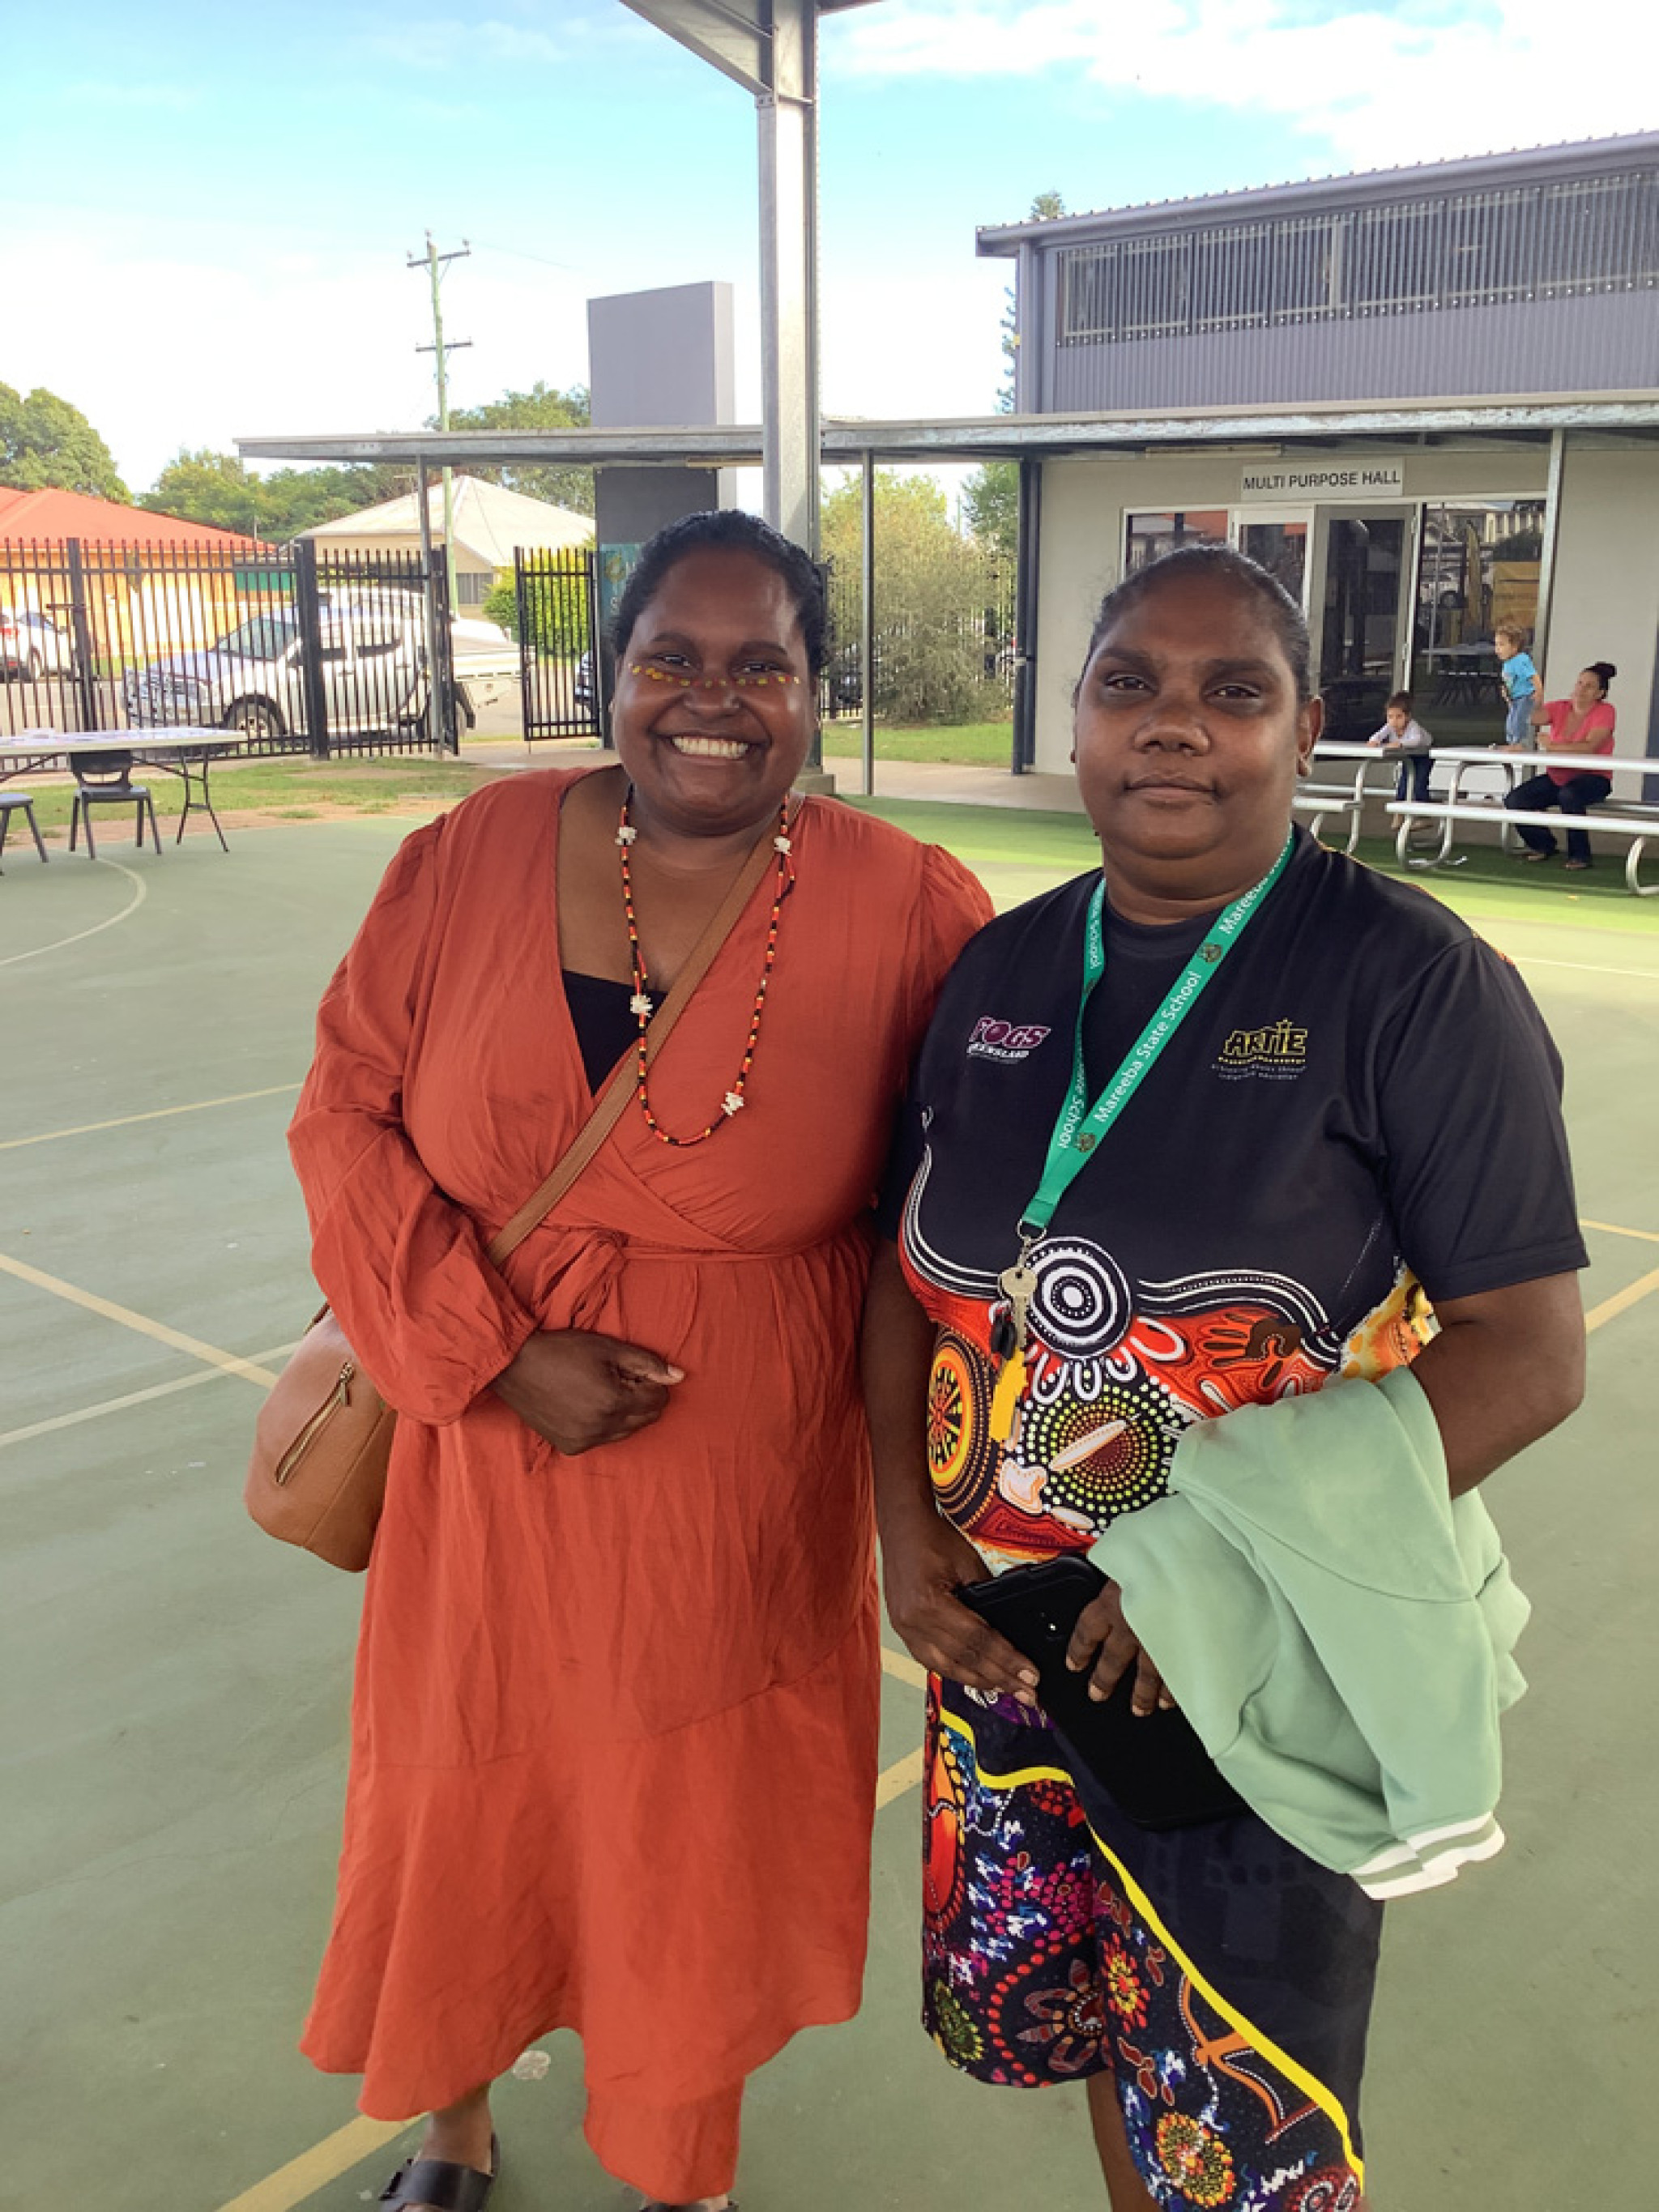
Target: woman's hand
<point>579,1389</point>
<point>922,1564</point>
<point>1104,1642</point>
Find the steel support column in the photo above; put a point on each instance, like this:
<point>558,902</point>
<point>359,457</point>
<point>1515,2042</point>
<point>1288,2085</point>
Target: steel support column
<point>1540,629</point>
<point>1027,579</point>
<point>434,720</point>
<point>787,108</point>
<point>867,623</point>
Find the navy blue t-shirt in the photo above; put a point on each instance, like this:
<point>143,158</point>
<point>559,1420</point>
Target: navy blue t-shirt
<point>1361,1115</point>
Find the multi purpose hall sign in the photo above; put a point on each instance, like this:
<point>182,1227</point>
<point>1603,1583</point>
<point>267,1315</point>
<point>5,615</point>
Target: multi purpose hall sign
<point>1337,480</point>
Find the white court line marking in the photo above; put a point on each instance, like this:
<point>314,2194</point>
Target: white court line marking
<point>132,1398</point>
<point>140,893</point>
<point>1584,967</point>
<point>227,1363</point>
<point>155,1113</point>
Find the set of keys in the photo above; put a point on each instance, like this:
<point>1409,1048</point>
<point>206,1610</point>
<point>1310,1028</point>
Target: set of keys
<point>1009,1333</point>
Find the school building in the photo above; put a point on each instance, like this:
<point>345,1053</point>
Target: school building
<point>1427,398</point>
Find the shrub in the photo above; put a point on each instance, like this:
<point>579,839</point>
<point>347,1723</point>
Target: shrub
<point>557,607</point>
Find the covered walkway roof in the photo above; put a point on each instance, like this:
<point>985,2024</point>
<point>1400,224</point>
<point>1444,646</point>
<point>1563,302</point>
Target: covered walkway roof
<point>846,440</point>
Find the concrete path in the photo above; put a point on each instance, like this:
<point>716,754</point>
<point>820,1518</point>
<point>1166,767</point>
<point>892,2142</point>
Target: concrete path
<point>950,782</point>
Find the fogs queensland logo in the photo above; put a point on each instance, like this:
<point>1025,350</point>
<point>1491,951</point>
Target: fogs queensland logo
<point>1007,1041</point>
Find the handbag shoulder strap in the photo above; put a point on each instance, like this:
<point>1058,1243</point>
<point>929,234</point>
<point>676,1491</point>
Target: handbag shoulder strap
<point>608,1108</point>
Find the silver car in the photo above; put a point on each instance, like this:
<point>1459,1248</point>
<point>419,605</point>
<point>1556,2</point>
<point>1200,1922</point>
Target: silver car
<point>373,665</point>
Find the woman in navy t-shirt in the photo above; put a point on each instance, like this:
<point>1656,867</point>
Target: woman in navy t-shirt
<point>1314,1181</point>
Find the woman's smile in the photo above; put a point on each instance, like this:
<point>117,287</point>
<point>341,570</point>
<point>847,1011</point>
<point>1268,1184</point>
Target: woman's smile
<point>717,749</point>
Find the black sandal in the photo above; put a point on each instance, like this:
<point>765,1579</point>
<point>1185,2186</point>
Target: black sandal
<point>438,2181</point>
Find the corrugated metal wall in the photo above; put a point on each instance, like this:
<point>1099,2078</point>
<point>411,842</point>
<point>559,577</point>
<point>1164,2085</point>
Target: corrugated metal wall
<point>1534,287</point>
<point>1605,344</point>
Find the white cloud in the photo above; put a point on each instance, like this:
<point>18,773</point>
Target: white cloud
<point>1376,86</point>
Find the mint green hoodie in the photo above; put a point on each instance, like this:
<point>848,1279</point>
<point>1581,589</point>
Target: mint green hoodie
<point>1336,1626</point>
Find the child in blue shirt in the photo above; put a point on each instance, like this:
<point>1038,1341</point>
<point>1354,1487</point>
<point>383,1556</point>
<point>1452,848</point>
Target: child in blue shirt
<point>1520,683</point>
<point>1402,733</point>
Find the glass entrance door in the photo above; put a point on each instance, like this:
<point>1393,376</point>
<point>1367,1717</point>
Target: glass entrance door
<point>1279,542</point>
<point>1359,614</point>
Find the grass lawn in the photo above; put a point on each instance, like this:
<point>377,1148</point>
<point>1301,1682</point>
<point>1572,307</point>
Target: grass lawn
<point>975,744</point>
<point>291,790</point>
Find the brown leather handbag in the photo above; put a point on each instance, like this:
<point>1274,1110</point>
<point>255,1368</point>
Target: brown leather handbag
<point>323,1441</point>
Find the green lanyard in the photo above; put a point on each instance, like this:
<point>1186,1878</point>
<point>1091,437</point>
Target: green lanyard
<point>1081,1127</point>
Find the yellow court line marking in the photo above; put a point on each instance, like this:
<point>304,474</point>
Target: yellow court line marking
<point>227,1363</point>
<point>140,893</point>
<point>315,2168</point>
<point>902,1668</point>
<point>1622,1301</point>
<point>131,1398</point>
<point>337,2154</point>
<point>904,1774</point>
<point>1611,1229</point>
<point>156,1113</point>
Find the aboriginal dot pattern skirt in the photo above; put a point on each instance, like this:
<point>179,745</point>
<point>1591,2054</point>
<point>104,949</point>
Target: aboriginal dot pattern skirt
<point>1224,1978</point>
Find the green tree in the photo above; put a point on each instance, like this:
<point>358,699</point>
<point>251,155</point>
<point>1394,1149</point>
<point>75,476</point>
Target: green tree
<point>44,441</point>
<point>210,488</point>
<point>220,489</point>
<point>1047,207</point>
<point>931,638</point>
<point>990,503</point>
<point>990,497</point>
<point>541,408</point>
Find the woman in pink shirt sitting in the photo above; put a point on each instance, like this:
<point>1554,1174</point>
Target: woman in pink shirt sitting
<point>1581,725</point>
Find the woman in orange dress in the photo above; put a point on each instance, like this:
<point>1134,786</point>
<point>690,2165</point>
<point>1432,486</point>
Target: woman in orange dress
<point>613,1741</point>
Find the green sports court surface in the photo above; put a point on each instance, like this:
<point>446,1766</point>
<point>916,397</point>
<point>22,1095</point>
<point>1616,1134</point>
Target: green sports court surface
<point>176,1685</point>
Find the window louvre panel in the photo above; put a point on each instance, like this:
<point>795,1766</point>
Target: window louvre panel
<point>1598,233</point>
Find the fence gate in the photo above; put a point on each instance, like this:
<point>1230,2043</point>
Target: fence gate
<point>301,649</point>
<point>558,626</point>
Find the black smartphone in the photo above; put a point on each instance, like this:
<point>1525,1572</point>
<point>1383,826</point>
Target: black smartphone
<point>1153,1765</point>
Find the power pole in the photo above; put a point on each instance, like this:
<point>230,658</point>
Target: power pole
<point>433,262</point>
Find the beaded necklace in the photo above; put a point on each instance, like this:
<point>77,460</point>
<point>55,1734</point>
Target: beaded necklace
<point>733,1103</point>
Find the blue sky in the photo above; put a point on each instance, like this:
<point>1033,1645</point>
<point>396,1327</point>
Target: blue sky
<point>208,211</point>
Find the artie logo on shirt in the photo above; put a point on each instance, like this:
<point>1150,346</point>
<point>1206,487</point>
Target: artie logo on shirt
<point>999,1040</point>
<point>1278,1051</point>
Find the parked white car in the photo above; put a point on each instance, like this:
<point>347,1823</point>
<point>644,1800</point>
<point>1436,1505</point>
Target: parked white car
<point>32,646</point>
<point>374,667</point>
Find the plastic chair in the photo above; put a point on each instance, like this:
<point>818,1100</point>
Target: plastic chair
<point>104,779</point>
<point>20,802</point>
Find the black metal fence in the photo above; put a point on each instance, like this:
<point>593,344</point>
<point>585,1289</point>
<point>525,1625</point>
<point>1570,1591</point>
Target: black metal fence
<point>560,663</point>
<point>943,640</point>
<point>302,650</point>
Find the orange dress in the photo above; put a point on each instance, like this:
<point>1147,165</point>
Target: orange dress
<point>614,1737</point>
